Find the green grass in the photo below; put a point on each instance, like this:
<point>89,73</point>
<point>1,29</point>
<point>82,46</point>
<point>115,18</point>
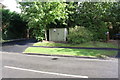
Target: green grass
<point>88,44</point>
<point>74,52</point>
<point>68,51</point>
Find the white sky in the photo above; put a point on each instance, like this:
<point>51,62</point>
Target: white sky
<point>11,4</point>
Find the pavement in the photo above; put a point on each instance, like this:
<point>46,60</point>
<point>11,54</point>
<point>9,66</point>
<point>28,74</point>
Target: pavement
<point>33,66</point>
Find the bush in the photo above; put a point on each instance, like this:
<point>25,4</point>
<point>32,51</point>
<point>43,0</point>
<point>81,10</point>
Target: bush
<point>39,38</point>
<point>99,33</point>
<point>79,34</point>
<point>16,27</point>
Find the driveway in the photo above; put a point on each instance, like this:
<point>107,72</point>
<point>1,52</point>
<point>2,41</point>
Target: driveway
<point>17,46</point>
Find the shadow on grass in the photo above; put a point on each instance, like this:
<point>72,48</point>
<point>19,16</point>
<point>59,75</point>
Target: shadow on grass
<point>86,52</point>
<point>89,45</point>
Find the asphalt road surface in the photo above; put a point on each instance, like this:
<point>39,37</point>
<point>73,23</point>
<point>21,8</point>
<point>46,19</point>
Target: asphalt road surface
<point>32,66</point>
<point>17,46</point>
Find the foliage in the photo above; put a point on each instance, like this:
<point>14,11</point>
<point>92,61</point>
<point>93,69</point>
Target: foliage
<point>72,14</point>
<point>12,25</point>
<point>39,38</point>
<point>6,16</point>
<point>79,34</point>
<point>70,21</point>
<point>93,15</point>
<point>40,14</point>
<point>114,18</point>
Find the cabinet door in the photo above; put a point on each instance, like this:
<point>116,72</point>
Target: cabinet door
<point>60,35</point>
<point>57,35</point>
<point>54,35</point>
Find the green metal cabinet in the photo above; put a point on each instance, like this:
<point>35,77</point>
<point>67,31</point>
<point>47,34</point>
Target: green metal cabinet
<point>57,34</point>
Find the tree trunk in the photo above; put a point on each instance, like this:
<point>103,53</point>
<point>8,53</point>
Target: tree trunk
<point>28,36</point>
<point>46,35</point>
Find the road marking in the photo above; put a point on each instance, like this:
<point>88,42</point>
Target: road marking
<point>53,73</point>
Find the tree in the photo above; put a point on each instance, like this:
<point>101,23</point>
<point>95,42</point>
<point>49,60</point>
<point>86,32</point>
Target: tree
<point>114,19</point>
<point>40,14</point>
<point>12,25</point>
<point>6,16</point>
<point>72,14</point>
<point>93,15</point>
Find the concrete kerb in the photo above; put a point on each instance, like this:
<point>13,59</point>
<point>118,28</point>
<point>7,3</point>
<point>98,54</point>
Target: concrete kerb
<point>69,56</point>
<point>86,57</point>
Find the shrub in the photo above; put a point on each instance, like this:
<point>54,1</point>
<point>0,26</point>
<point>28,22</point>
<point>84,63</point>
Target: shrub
<point>99,33</point>
<point>39,38</point>
<point>79,34</point>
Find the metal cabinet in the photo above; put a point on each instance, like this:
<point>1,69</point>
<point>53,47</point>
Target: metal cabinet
<point>57,34</point>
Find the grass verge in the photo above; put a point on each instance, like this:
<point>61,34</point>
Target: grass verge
<point>73,52</point>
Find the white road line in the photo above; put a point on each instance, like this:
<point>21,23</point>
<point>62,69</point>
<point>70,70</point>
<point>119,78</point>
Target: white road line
<point>53,73</point>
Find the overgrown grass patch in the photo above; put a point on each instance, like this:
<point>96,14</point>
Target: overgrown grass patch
<point>68,51</point>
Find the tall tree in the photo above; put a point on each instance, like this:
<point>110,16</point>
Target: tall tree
<point>6,16</point>
<point>114,19</point>
<point>12,25</point>
<point>40,14</point>
<point>92,15</point>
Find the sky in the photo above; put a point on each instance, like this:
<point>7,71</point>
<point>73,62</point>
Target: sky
<point>11,4</point>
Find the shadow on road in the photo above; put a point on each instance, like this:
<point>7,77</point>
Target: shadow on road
<point>17,45</point>
<point>19,42</point>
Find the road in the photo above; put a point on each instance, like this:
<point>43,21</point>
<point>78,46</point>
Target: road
<point>17,46</point>
<point>18,65</point>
